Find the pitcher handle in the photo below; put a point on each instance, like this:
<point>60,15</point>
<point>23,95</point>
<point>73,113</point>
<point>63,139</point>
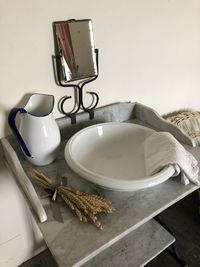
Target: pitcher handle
<point>11,121</point>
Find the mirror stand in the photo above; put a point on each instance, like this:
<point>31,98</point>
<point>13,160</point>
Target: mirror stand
<point>79,102</point>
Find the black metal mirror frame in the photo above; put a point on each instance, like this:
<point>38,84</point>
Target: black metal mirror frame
<point>79,102</point>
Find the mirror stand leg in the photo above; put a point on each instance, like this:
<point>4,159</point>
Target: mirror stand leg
<point>73,118</point>
<point>91,114</point>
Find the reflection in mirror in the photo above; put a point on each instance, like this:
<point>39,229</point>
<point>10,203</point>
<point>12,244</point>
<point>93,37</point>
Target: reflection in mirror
<point>74,45</point>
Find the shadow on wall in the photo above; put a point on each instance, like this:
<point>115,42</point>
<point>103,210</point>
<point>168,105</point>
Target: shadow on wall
<point>20,104</point>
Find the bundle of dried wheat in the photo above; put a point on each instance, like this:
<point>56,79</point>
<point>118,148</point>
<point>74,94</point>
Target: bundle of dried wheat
<point>85,206</point>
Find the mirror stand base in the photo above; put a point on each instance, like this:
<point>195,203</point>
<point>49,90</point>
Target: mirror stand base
<point>78,100</point>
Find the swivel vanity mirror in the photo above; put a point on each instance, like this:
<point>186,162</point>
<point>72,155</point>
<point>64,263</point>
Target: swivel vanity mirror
<point>76,61</point>
<point>74,44</point>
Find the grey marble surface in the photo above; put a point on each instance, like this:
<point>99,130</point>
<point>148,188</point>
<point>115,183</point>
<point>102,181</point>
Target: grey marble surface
<point>135,249</point>
<point>72,242</point>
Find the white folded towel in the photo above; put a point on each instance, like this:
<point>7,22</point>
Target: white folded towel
<point>162,149</point>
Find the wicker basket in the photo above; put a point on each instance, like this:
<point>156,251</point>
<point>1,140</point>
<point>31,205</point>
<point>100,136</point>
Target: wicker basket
<point>189,122</point>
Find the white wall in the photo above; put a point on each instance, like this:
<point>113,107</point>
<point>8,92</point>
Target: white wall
<point>20,238</point>
<point>149,50</point>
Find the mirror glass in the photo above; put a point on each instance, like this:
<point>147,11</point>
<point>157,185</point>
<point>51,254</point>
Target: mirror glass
<point>74,44</point>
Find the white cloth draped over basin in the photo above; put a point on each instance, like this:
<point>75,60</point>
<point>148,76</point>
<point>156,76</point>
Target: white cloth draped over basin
<point>162,149</point>
<point>112,155</point>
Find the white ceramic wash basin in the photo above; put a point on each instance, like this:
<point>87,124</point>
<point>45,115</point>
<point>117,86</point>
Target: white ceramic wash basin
<point>112,155</point>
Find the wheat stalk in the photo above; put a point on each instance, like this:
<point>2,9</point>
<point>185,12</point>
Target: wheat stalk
<point>85,206</point>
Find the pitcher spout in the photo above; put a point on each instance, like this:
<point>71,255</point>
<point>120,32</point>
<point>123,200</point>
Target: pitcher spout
<point>40,105</point>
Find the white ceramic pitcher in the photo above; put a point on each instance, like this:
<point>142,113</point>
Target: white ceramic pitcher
<point>38,134</point>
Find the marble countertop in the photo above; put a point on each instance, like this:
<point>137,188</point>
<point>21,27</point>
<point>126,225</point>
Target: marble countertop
<point>73,243</point>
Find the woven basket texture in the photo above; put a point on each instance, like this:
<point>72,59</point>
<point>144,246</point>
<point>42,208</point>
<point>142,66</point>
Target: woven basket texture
<point>189,122</point>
